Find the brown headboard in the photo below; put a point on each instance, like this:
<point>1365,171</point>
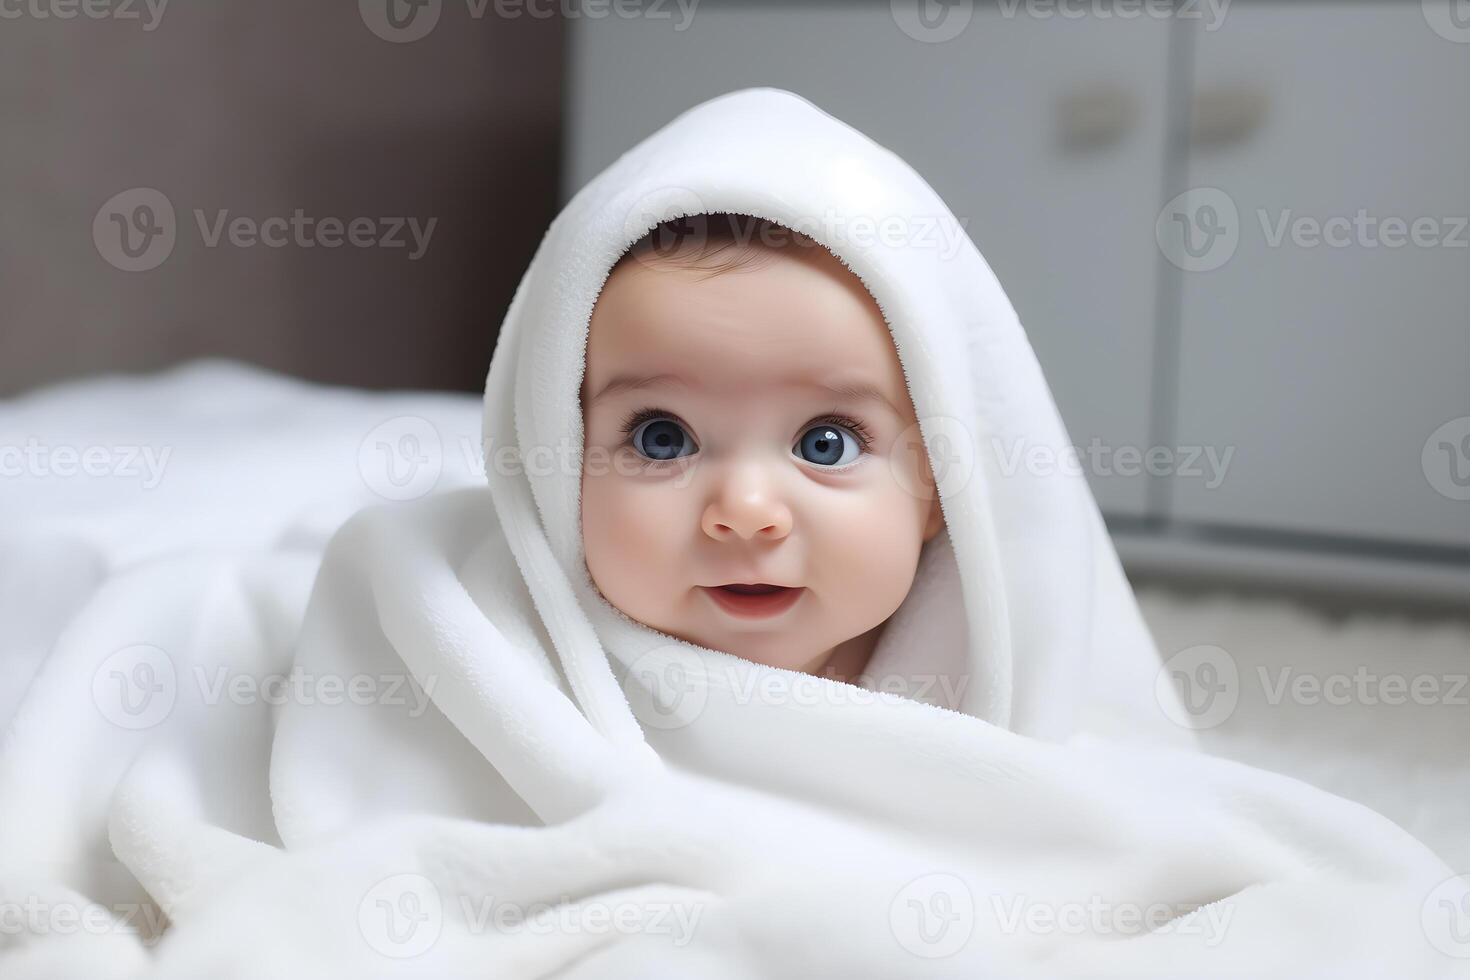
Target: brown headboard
<point>259,110</point>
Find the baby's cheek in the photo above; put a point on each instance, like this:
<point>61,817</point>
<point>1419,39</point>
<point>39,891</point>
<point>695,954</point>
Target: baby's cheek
<point>626,530</point>
<point>872,542</point>
<point>606,530</point>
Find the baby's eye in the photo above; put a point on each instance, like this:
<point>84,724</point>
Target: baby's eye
<point>828,445</point>
<point>662,439</point>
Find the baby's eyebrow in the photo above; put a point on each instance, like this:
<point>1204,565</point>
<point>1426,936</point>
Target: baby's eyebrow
<point>857,391</point>
<point>630,382</point>
<point>851,390</point>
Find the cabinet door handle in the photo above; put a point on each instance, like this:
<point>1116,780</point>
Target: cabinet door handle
<point>1094,118</point>
<point>1226,116</point>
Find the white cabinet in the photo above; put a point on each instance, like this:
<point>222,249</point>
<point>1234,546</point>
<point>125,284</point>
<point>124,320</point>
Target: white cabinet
<point>1046,137</point>
<point>1335,339</point>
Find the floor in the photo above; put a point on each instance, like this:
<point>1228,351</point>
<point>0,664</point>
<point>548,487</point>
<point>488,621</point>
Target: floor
<point>1372,705</point>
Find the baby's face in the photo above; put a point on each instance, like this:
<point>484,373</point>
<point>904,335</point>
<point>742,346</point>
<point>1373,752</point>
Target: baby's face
<point>716,453</point>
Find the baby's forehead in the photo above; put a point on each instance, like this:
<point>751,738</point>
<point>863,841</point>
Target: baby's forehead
<point>784,292</point>
<point>758,332</point>
<point>775,312</point>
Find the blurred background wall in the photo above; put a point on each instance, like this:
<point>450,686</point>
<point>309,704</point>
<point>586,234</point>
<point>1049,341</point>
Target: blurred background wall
<point>259,110</point>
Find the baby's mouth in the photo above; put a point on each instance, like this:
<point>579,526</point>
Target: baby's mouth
<point>756,600</point>
<point>759,588</point>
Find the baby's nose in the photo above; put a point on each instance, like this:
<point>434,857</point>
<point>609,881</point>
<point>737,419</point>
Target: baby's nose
<point>747,507</point>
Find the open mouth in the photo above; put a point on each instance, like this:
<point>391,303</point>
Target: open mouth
<point>754,600</point>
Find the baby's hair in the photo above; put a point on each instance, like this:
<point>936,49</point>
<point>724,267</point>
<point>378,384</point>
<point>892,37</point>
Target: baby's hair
<point>714,243</point>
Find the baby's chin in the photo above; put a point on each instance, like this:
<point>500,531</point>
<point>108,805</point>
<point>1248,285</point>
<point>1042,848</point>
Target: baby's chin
<point>786,644</point>
<point>770,648</point>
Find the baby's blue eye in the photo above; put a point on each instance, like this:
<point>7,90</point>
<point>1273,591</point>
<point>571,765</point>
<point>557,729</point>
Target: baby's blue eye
<point>662,439</point>
<point>828,445</point>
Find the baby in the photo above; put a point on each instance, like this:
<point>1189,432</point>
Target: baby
<point>754,477</point>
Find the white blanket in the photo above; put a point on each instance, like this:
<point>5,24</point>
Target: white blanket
<point>458,760</point>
